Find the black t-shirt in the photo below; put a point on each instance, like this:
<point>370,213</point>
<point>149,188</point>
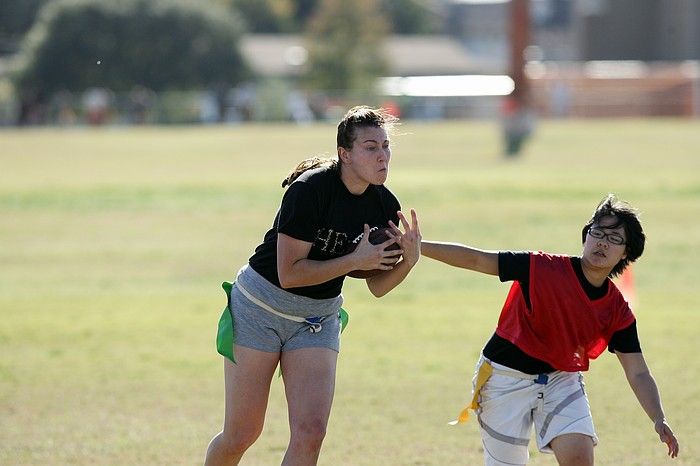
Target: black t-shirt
<point>319,209</point>
<point>516,266</point>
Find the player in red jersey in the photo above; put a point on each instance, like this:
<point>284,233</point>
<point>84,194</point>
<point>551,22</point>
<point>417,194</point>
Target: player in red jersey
<point>561,312</point>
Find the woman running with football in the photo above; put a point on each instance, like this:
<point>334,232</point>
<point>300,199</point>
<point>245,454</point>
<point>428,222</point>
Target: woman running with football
<point>561,312</point>
<point>285,305</point>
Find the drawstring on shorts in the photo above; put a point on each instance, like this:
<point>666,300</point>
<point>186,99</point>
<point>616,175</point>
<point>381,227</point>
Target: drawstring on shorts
<point>314,323</point>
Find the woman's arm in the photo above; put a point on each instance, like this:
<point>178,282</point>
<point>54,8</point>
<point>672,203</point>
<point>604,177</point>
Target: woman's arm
<point>459,255</point>
<point>644,387</point>
<point>295,269</point>
<point>410,241</point>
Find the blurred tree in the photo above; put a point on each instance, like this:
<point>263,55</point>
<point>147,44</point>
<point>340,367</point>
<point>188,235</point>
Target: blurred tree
<point>304,9</point>
<point>159,44</point>
<point>345,46</point>
<point>288,16</point>
<point>264,16</point>
<point>16,17</point>
<point>260,16</point>
<point>411,17</point>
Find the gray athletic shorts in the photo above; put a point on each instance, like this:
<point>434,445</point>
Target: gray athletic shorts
<point>510,407</point>
<point>256,328</point>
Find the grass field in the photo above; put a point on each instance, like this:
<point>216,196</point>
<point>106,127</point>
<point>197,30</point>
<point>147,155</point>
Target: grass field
<point>113,244</point>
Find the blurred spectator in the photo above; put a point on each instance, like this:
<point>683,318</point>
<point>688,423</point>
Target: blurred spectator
<point>208,108</point>
<point>140,103</point>
<point>318,104</point>
<point>560,99</point>
<point>244,101</point>
<point>518,124</point>
<point>96,102</point>
<point>63,107</point>
<point>32,109</point>
<point>298,107</point>
<point>392,108</point>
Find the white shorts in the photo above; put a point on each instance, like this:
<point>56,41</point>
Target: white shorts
<point>510,405</point>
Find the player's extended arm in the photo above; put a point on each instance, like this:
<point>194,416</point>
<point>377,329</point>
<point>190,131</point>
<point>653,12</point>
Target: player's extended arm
<point>410,241</point>
<point>295,269</point>
<point>646,391</point>
<point>460,255</point>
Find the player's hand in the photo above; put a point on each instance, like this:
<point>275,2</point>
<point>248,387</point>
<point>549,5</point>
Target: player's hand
<point>370,256</point>
<point>410,238</point>
<point>666,435</point>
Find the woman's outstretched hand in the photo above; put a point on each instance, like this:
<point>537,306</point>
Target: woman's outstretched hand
<point>410,238</point>
<point>666,436</point>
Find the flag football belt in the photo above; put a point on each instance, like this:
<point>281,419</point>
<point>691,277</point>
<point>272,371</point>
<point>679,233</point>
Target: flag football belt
<point>486,370</point>
<point>224,336</point>
<point>314,323</point>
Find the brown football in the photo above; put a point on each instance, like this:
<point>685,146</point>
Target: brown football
<point>376,236</point>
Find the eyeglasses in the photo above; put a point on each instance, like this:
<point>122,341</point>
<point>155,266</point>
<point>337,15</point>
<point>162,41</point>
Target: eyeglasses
<point>612,238</point>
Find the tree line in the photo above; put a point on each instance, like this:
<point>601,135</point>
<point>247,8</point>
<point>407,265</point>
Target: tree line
<point>259,16</point>
<point>73,45</point>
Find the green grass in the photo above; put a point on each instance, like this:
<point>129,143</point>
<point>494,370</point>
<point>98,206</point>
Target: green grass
<point>113,244</point>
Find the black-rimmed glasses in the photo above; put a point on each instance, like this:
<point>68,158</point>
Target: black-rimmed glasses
<point>612,238</point>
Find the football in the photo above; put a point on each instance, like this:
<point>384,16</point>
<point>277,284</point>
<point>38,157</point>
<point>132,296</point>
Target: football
<point>376,236</point>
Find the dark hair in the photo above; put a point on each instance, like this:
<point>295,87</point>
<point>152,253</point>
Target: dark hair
<point>356,117</point>
<point>361,116</point>
<point>627,217</point>
<point>308,164</point>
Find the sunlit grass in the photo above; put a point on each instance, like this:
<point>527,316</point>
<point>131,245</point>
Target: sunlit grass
<point>113,244</point>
